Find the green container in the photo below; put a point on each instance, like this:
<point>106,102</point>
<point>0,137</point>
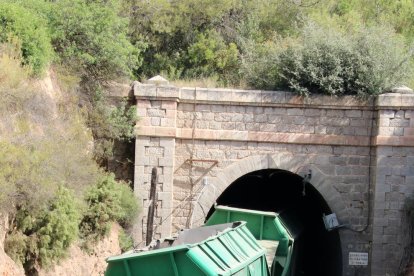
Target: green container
<point>228,249</point>
<point>264,226</point>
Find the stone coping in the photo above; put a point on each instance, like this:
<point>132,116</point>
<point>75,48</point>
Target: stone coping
<point>268,98</point>
<point>243,97</point>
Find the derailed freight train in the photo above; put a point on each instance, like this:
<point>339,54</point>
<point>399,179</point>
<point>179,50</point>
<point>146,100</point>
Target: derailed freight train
<point>233,241</point>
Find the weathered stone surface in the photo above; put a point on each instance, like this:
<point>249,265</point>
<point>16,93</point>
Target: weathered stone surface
<point>233,132</point>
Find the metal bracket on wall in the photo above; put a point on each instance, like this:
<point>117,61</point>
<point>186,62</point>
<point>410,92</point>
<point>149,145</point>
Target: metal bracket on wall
<point>191,161</point>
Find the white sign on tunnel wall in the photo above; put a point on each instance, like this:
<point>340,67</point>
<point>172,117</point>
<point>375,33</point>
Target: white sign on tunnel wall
<point>358,258</point>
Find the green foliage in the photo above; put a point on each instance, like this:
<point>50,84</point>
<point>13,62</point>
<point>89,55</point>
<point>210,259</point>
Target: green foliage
<point>92,38</point>
<point>22,172</point>
<point>125,241</point>
<point>209,55</point>
<point>15,245</point>
<point>107,201</point>
<point>38,238</point>
<point>32,32</point>
<point>109,123</point>
<point>260,64</point>
<point>202,39</point>
<point>365,63</point>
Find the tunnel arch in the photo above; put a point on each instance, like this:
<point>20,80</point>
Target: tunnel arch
<point>300,166</point>
<point>324,198</point>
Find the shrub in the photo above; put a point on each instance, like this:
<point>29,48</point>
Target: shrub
<point>107,201</point>
<point>38,238</point>
<point>12,74</point>
<point>31,30</point>
<point>363,63</point>
<point>327,61</point>
<point>209,55</point>
<point>109,124</point>
<point>92,38</point>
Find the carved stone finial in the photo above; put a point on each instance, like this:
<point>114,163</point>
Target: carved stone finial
<point>158,80</point>
<point>402,90</point>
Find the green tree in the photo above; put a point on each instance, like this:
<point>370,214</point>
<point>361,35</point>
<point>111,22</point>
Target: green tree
<point>31,31</point>
<point>91,38</point>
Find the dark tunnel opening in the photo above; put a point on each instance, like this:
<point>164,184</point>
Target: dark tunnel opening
<point>319,250</point>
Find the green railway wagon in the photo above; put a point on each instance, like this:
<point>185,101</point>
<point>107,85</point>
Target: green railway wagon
<point>224,249</point>
<point>270,231</point>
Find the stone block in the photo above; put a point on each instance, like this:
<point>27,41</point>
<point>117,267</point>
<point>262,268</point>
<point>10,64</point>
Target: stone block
<point>167,92</point>
<point>353,113</point>
<point>247,96</point>
<point>201,94</point>
<point>399,122</point>
<point>143,104</point>
<point>187,93</point>
<point>228,125</point>
<point>409,114</point>
<point>260,118</point>
<point>236,117</point>
<point>248,118</point>
<point>214,95</point>
<point>294,111</point>
<point>314,112</point>
<point>240,126</point>
<point>274,97</point>
<point>335,113</point>
<point>169,105</point>
<point>386,131</point>
<point>203,108</point>
<point>167,122</point>
<point>387,113</point>
<point>389,99</point>
<point>155,112</point>
<point>156,121</point>
<point>236,109</point>
<point>145,90</point>
<point>185,107</point>
<point>407,100</point>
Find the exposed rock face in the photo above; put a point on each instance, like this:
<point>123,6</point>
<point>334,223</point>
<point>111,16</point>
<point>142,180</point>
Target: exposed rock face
<point>81,263</point>
<point>7,266</point>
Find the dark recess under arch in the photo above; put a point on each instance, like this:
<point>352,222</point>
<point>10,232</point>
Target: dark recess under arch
<point>282,192</point>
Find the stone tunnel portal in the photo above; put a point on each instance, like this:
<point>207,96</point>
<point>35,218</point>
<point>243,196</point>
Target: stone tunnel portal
<point>301,205</point>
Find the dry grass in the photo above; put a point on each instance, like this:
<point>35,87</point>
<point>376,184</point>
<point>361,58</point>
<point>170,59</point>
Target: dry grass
<point>206,83</point>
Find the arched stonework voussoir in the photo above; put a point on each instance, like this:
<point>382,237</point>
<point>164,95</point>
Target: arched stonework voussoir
<point>292,163</point>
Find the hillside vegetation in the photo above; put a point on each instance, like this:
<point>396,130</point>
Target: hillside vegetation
<point>55,145</point>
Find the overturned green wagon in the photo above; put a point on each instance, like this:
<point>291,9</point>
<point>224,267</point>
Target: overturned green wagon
<point>271,231</point>
<point>224,249</point>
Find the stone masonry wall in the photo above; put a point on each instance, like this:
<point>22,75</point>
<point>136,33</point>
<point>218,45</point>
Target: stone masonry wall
<point>196,136</point>
<point>394,182</point>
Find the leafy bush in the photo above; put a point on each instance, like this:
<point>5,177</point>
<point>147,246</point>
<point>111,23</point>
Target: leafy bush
<point>209,56</point>
<point>38,238</point>
<point>330,62</point>
<point>21,173</point>
<point>109,123</point>
<point>365,63</point>
<point>107,201</point>
<point>32,31</point>
<point>92,38</point>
